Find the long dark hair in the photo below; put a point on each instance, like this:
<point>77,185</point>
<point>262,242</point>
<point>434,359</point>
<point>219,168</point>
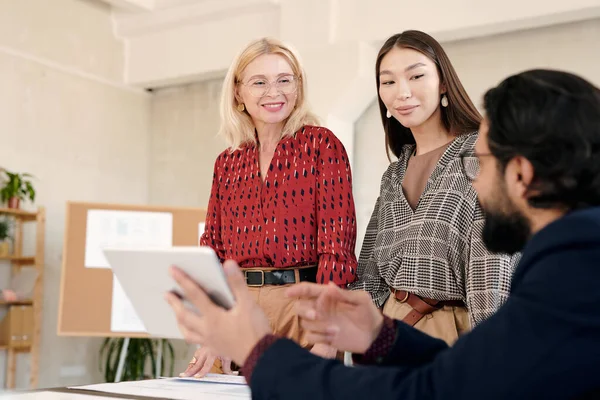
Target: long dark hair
<point>461,115</point>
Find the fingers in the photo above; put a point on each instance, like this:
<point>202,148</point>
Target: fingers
<point>305,290</point>
<point>305,309</point>
<point>196,363</point>
<point>333,296</point>
<point>226,365</point>
<point>237,281</point>
<point>321,327</point>
<point>192,292</point>
<point>319,338</point>
<point>208,364</point>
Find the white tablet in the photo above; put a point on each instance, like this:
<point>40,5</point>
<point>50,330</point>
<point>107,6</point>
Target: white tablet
<point>144,275</point>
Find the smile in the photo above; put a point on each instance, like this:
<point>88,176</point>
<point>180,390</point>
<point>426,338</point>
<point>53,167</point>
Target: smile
<point>406,110</point>
<point>273,106</point>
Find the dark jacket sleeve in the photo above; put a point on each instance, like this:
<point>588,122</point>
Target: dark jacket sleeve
<point>538,345</point>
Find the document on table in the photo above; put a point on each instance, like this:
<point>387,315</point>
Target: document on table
<point>174,388</point>
<point>217,378</point>
<point>48,396</point>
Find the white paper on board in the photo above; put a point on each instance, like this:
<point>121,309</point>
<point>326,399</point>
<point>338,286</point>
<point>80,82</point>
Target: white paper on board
<point>114,228</point>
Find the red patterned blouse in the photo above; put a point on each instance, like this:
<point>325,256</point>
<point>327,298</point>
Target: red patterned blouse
<point>302,214</point>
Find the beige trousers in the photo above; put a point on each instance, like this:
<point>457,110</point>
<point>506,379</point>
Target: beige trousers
<point>280,312</point>
<point>447,323</point>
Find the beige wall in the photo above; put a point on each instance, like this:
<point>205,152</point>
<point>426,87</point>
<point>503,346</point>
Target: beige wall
<point>184,143</point>
<point>481,63</point>
<point>65,118</point>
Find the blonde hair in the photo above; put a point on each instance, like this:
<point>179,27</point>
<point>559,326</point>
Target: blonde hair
<point>237,127</point>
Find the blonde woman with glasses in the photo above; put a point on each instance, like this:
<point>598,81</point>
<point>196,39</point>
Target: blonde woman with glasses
<point>281,203</point>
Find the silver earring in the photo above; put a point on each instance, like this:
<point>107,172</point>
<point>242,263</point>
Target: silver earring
<point>388,114</point>
<point>444,101</point>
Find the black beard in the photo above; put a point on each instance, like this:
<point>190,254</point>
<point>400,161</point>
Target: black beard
<point>505,233</point>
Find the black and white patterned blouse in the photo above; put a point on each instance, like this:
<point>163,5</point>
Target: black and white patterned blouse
<point>435,251</point>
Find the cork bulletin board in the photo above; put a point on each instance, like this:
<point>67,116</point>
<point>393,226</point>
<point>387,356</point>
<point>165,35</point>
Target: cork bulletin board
<point>86,291</point>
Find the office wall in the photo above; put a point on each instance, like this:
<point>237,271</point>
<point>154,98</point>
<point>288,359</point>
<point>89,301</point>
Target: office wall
<point>66,118</point>
<point>184,122</point>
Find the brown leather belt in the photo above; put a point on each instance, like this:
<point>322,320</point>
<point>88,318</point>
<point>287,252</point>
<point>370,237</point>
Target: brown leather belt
<point>421,306</point>
<point>257,277</point>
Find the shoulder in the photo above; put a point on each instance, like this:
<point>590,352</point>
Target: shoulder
<point>467,141</point>
<point>319,136</point>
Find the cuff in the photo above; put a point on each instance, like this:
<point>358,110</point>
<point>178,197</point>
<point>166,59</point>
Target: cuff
<point>255,354</point>
<point>381,346</point>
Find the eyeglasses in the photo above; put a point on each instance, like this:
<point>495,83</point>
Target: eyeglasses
<point>469,162</point>
<point>259,87</point>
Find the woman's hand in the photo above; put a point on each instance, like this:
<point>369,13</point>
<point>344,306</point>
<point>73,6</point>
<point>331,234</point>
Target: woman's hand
<point>203,361</point>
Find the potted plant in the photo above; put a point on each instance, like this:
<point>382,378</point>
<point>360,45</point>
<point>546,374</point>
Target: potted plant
<point>140,358</point>
<point>4,238</point>
<point>16,188</point>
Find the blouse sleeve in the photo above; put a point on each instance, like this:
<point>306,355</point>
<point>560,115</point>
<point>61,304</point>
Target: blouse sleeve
<point>212,230</point>
<point>336,216</point>
<point>369,278</point>
<point>487,275</point>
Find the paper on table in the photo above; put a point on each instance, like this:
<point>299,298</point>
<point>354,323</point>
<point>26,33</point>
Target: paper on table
<point>218,378</point>
<point>123,317</point>
<point>174,388</point>
<point>111,228</point>
<point>49,396</point>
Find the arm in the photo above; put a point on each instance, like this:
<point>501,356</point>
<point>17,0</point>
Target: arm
<point>491,362</point>
<point>335,214</point>
<point>212,231</point>
<point>369,278</point>
<point>487,275</point>
<point>528,349</point>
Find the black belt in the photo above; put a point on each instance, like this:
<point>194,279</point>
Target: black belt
<point>256,277</point>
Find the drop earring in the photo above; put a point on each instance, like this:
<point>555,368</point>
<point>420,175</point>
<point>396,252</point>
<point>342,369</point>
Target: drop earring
<point>444,101</point>
<point>241,107</point>
<point>388,114</point>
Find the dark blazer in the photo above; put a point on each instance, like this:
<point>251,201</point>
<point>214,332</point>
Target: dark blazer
<point>544,343</point>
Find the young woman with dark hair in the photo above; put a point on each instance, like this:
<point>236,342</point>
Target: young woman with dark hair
<point>423,259</point>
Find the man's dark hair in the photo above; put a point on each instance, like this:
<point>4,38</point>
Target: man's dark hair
<point>551,118</point>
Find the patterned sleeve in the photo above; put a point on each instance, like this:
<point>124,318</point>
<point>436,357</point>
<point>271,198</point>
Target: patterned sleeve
<point>212,230</point>
<point>336,216</point>
<point>369,278</point>
<point>488,275</point>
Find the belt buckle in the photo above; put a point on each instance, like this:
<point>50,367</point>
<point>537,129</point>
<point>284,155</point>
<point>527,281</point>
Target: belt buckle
<point>262,278</point>
<point>404,299</point>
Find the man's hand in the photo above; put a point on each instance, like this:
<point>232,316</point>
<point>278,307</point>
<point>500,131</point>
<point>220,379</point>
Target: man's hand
<point>345,320</point>
<point>231,333</point>
<point>323,350</point>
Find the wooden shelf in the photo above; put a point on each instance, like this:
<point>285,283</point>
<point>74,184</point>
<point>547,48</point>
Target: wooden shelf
<point>27,302</point>
<point>19,214</point>
<point>16,349</point>
<point>19,260</point>
<point>31,312</point>
<point>21,349</point>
